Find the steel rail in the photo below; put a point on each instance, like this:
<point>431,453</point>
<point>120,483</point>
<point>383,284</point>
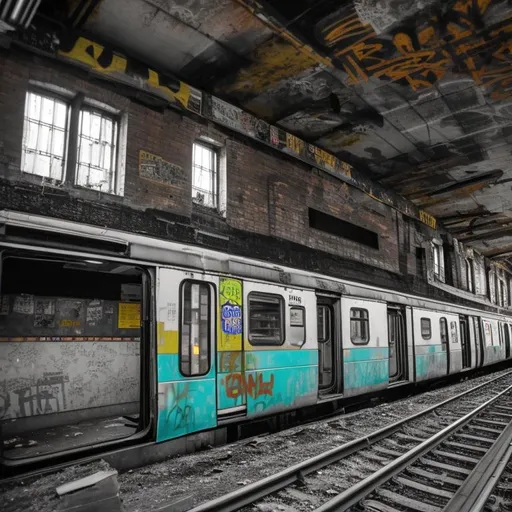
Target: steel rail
<point>476,489</point>
<point>255,491</point>
<point>359,491</point>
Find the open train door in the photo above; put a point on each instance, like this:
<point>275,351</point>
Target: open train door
<point>186,308</point>
<point>397,339</point>
<point>329,345</point>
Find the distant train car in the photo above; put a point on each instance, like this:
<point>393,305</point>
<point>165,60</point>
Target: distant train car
<point>194,339</point>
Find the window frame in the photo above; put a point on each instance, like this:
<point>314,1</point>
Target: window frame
<point>210,325</point>
<point>429,337</point>
<point>76,104</point>
<point>437,255</point>
<point>216,181</point>
<point>329,323</point>
<point>115,118</point>
<point>282,319</point>
<point>54,96</point>
<point>470,275</point>
<point>367,320</point>
<point>297,327</point>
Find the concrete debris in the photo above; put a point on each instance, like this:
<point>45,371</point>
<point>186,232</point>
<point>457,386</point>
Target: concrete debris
<point>98,492</point>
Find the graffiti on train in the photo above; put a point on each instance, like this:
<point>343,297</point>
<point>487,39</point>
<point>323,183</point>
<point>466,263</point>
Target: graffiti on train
<point>184,407</point>
<point>237,384</point>
<point>231,319</point>
<point>230,291</point>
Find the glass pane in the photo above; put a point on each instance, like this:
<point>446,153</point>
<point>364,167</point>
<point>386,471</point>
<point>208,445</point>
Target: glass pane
<point>34,106</point>
<point>60,115</point>
<point>58,142</point>
<point>194,344</point>
<point>44,136</point>
<point>47,111</point>
<point>96,151</point>
<point>265,320</point>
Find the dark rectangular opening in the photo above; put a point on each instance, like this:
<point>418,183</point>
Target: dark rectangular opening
<point>70,338</point>
<point>334,226</point>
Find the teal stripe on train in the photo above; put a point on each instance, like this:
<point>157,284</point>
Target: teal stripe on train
<point>169,369</point>
<point>365,374</point>
<point>184,407</point>
<point>428,349</point>
<point>431,365</point>
<point>271,391</point>
<point>259,359</point>
<point>354,354</point>
<point>365,369</point>
<point>273,380</point>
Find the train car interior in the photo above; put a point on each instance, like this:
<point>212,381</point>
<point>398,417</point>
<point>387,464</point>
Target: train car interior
<point>70,360</point>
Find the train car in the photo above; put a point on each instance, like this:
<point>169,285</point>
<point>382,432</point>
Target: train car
<point>98,324</point>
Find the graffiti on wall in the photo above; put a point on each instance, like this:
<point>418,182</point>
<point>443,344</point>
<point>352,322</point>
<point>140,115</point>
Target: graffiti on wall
<point>24,397</point>
<point>418,53</point>
<point>254,385</point>
<point>51,377</point>
<point>155,168</point>
<point>105,62</point>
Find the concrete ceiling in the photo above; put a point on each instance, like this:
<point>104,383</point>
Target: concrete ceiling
<point>417,93</point>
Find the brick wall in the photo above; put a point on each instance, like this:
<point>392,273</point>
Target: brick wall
<point>268,194</point>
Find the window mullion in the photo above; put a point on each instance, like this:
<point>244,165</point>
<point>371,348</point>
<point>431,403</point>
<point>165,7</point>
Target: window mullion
<point>72,156</point>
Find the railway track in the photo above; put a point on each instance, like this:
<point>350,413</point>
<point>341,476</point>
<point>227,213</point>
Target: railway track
<point>440,457</point>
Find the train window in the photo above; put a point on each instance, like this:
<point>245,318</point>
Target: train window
<point>426,328</point>
<point>297,333</point>
<point>488,333</point>
<point>265,319</point>
<point>443,327</point>
<point>359,326</point>
<point>195,329</point>
<point>454,331</point>
<point>323,323</point>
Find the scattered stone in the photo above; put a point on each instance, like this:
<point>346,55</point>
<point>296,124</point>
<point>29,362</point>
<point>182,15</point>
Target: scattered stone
<point>32,442</point>
<point>78,434</point>
<point>7,442</point>
<point>243,482</point>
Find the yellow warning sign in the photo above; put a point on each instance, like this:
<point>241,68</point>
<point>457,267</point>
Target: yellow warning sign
<point>129,315</point>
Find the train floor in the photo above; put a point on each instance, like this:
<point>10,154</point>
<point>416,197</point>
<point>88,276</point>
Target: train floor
<point>70,436</point>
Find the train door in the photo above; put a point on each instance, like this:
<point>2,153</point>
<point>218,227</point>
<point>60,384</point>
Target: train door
<point>326,326</point>
<point>186,307</point>
<point>465,342</point>
<point>445,344</point>
<point>507,340</point>
<point>231,364</point>
<point>479,341</point>
<point>397,344</point>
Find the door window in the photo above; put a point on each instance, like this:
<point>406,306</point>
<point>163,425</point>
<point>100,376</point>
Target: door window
<point>443,327</point>
<point>195,329</point>
<point>426,328</point>
<point>359,326</point>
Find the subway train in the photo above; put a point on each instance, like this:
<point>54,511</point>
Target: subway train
<point>193,339</point>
